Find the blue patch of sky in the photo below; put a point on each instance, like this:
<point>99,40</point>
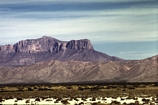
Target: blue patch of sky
<point>67,6</point>
<point>74,6</point>
<point>129,50</point>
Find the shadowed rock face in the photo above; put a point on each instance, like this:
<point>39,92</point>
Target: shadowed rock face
<point>30,51</point>
<point>79,44</point>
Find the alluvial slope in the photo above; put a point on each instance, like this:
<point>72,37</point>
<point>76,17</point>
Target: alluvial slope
<point>54,71</point>
<point>30,51</point>
<point>58,71</point>
<point>145,70</point>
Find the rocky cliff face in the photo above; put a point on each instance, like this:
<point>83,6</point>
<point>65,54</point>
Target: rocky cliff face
<point>30,51</point>
<point>79,44</point>
<point>46,44</point>
<point>7,48</point>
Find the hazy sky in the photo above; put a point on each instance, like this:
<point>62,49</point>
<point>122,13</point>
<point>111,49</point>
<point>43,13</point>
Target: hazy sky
<point>123,28</point>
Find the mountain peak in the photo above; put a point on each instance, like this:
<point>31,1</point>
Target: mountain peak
<point>29,51</point>
<point>79,44</point>
<point>46,44</point>
<point>46,37</point>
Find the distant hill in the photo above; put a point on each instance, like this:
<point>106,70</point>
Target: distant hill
<point>78,71</point>
<point>145,70</point>
<point>59,71</point>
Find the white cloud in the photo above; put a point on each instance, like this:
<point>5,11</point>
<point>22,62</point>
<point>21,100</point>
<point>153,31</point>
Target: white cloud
<point>122,25</point>
<point>117,28</point>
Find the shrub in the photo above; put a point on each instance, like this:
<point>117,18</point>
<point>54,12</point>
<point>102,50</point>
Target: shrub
<point>38,99</point>
<point>19,98</point>
<point>81,103</point>
<point>27,101</point>
<point>1,99</point>
<point>30,89</point>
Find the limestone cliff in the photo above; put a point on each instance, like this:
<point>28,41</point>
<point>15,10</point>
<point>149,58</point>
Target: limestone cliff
<point>30,51</point>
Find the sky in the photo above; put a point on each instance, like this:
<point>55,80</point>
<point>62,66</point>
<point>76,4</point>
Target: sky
<point>124,28</point>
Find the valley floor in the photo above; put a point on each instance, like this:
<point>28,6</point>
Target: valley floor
<point>104,94</point>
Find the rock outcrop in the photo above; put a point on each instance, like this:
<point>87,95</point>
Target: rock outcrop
<point>79,44</point>
<point>30,51</point>
<point>46,44</point>
<point>7,48</point>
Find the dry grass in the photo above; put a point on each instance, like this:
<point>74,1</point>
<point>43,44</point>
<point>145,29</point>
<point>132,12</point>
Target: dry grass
<point>77,91</point>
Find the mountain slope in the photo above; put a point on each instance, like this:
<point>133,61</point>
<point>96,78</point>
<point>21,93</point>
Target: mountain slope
<point>54,71</point>
<point>59,71</point>
<point>145,70</point>
<point>30,51</point>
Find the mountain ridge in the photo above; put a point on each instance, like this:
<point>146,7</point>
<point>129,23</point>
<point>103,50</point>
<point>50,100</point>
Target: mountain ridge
<point>29,51</point>
<point>142,70</point>
<point>55,71</point>
<point>59,71</point>
<point>37,45</point>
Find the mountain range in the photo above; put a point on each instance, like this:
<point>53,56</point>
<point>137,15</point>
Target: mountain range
<point>50,60</point>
